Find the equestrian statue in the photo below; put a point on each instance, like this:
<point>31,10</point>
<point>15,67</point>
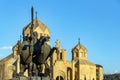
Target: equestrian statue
<point>34,53</point>
<point>34,62</point>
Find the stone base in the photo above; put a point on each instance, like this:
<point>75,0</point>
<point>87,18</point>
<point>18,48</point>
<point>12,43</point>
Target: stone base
<point>32,78</point>
<point>20,78</point>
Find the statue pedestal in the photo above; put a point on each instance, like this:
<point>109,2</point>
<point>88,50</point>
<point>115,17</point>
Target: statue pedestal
<point>39,78</point>
<point>32,78</point>
<point>20,78</point>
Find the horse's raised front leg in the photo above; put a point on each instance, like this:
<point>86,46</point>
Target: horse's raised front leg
<point>30,69</point>
<point>22,69</point>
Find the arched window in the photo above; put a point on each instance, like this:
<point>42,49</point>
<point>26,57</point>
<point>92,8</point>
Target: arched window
<point>76,54</point>
<point>69,73</point>
<point>60,56</point>
<point>59,78</point>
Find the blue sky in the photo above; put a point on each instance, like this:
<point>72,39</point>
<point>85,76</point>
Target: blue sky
<point>95,22</point>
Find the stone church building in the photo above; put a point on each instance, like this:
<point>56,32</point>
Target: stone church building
<point>79,68</point>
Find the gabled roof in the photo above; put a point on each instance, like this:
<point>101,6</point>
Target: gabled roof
<point>84,62</point>
<point>6,58</point>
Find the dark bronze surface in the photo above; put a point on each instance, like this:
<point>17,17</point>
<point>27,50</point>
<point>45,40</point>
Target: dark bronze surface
<point>34,53</point>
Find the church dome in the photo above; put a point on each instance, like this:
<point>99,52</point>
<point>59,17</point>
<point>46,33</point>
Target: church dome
<point>39,27</point>
<point>79,52</point>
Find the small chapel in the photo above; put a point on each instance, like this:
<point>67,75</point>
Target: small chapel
<point>79,68</point>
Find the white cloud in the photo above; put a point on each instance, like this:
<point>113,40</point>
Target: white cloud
<point>6,48</point>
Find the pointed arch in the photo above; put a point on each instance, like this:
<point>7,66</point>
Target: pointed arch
<point>61,56</point>
<point>69,73</point>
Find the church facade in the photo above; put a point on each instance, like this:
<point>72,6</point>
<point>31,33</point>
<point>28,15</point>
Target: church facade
<point>79,68</point>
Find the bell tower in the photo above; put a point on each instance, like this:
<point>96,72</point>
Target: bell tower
<point>59,55</point>
<point>62,52</point>
<point>79,52</point>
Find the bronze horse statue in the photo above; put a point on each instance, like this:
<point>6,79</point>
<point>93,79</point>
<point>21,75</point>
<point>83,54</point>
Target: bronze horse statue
<point>41,52</point>
<point>25,56</point>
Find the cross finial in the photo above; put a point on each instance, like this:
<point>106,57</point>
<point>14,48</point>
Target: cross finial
<point>78,40</point>
<point>36,14</point>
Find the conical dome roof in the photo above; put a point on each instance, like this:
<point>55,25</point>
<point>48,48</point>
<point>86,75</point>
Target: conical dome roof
<point>39,27</point>
<point>79,52</point>
<point>78,47</point>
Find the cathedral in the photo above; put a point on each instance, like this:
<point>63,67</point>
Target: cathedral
<point>79,68</point>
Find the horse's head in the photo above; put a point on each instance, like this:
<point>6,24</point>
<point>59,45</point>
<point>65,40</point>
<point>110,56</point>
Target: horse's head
<point>44,39</point>
<point>40,42</point>
<point>47,38</point>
